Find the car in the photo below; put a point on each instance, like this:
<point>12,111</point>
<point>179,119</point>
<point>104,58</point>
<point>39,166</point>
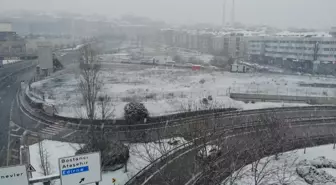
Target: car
<point>209,152</point>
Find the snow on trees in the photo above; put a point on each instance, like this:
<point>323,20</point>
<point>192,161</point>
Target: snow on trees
<point>135,111</point>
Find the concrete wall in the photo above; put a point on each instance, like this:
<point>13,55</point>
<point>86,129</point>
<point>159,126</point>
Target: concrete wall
<point>45,56</point>
<point>283,98</point>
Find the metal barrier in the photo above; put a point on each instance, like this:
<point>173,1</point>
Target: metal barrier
<point>137,176</point>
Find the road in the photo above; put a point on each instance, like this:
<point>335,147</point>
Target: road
<point>12,111</point>
<point>8,91</point>
<point>9,68</point>
<point>184,167</point>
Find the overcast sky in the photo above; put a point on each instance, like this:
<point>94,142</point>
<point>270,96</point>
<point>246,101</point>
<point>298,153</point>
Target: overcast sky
<point>280,13</point>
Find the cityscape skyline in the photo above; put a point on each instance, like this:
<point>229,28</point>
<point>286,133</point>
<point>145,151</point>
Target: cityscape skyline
<point>282,14</point>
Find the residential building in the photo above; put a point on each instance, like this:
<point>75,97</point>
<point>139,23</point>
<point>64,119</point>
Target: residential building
<point>229,44</point>
<point>11,45</point>
<point>293,51</point>
<point>333,31</point>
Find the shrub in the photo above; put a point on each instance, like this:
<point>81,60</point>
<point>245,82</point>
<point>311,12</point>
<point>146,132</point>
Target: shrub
<point>135,111</point>
<point>210,97</point>
<point>205,101</point>
<point>202,81</point>
<point>112,153</point>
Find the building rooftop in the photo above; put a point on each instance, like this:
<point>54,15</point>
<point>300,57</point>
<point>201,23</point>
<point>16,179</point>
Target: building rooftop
<point>303,34</point>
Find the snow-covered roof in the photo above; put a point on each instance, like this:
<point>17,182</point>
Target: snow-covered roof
<point>302,34</point>
<point>218,33</point>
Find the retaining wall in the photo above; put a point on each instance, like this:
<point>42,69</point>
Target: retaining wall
<point>283,98</point>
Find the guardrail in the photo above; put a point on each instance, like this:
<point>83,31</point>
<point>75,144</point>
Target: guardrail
<point>168,119</point>
<point>214,114</point>
<point>15,72</point>
<point>287,146</point>
<point>135,179</point>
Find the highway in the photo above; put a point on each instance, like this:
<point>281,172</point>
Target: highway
<point>8,91</point>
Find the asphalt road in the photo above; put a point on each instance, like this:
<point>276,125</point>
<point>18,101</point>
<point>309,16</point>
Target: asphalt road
<point>183,168</point>
<point>9,68</point>
<point>9,110</point>
<point>8,91</point>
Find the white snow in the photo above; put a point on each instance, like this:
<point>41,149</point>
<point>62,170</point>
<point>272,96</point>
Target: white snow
<point>141,154</point>
<point>9,61</point>
<point>289,162</point>
<point>166,90</point>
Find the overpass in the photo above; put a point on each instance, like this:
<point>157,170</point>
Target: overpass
<point>239,130</point>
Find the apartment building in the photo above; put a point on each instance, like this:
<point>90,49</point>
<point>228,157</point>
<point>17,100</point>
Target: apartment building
<point>11,45</point>
<point>333,31</point>
<point>322,49</point>
<point>300,49</point>
<point>228,44</point>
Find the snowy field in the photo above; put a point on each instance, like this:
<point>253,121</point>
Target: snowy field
<point>166,90</point>
<point>317,165</point>
<point>141,154</point>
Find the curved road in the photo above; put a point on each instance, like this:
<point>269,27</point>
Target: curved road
<point>10,110</point>
<point>8,89</point>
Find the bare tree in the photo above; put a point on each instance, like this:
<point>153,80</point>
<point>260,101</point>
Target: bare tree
<point>89,81</point>
<point>260,167</point>
<point>44,157</point>
<point>276,129</point>
<point>106,107</point>
<point>285,172</point>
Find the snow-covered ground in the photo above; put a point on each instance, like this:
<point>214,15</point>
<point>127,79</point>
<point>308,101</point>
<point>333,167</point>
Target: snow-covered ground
<point>141,154</point>
<point>9,61</point>
<point>166,90</point>
<point>318,164</point>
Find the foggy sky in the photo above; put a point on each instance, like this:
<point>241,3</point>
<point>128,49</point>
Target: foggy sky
<point>280,13</point>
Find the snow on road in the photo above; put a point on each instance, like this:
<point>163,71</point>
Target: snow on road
<point>166,90</point>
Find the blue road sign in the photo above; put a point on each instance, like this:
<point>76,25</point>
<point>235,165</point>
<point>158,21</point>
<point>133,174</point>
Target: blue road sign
<point>75,170</point>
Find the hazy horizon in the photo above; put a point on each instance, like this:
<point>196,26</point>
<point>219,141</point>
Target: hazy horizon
<point>278,13</point>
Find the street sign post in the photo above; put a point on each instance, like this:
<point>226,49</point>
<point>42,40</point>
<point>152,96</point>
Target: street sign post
<point>80,169</point>
<point>14,175</point>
